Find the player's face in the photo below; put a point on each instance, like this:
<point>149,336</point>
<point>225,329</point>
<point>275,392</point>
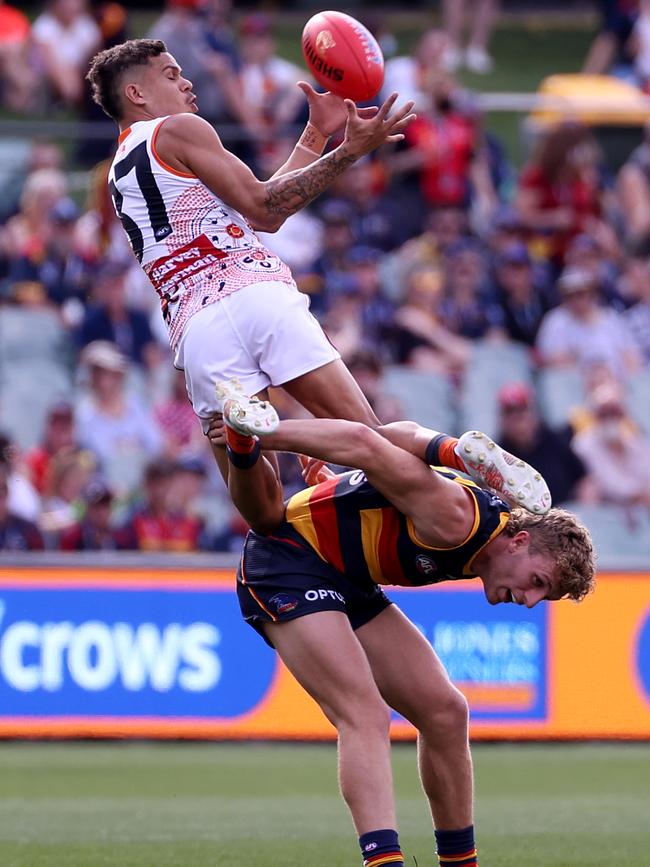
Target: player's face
<point>521,577</point>
<point>164,88</point>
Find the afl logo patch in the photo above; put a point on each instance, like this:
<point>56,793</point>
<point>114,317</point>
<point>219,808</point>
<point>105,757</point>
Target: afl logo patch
<point>234,230</point>
<point>425,565</point>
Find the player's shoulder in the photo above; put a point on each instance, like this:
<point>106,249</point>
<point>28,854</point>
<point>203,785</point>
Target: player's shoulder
<point>178,136</point>
<point>184,126</point>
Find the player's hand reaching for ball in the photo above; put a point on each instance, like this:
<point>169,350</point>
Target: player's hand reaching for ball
<point>365,134</point>
<point>328,112</point>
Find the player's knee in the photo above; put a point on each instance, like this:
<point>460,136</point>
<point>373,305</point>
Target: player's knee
<point>370,715</point>
<point>447,717</point>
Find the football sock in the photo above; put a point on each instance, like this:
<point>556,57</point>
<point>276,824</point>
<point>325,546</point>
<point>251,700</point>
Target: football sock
<point>243,451</point>
<point>456,848</point>
<point>441,453</point>
<point>381,847</point>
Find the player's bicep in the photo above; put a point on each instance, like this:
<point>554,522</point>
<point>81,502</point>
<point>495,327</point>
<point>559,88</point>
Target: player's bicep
<point>438,507</point>
<point>194,142</point>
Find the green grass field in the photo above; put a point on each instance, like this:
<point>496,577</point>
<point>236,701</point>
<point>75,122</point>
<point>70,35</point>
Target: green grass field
<point>258,805</point>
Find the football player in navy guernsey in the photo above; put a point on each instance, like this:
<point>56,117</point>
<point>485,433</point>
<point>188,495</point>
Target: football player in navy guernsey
<point>190,208</point>
<point>311,575</point>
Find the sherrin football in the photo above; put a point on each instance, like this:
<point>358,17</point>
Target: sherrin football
<point>343,56</point>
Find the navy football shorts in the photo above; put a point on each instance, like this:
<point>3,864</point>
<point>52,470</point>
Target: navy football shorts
<point>280,578</point>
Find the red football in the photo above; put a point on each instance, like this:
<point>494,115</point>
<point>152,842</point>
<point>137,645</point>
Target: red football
<point>343,56</point>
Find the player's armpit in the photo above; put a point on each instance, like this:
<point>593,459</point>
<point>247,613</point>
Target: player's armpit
<point>188,143</point>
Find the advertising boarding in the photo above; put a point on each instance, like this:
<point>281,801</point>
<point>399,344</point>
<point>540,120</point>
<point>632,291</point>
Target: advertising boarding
<point>144,653</point>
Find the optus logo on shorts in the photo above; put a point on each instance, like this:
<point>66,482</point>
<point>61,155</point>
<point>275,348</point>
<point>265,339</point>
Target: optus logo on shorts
<point>323,593</point>
<point>643,655</point>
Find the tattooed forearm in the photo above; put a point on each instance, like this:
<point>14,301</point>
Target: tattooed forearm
<point>291,192</point>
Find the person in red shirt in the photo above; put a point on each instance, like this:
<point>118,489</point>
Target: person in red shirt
<point>559,193</point>
<point>58,436</point>
<point>17,79</point>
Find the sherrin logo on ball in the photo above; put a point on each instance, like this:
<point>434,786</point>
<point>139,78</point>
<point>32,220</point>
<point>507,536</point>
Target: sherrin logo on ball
<point>324,40</point>
<point>343,56</point>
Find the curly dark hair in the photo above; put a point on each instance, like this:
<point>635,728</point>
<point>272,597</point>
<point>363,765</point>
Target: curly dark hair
<point>107,68</point>
<point>560,534</point>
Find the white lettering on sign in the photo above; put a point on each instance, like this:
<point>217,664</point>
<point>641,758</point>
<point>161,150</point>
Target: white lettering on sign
<point>96,655</point>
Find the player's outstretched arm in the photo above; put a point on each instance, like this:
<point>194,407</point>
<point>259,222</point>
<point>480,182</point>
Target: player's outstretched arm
<point>441,510</point>
<point>189,144</point>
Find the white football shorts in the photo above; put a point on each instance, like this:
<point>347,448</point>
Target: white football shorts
<point>263,334</point>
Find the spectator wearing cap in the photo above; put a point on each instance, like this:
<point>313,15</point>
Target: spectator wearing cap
<point>94,531</point>
<point>58,267</point>
<point>376,310</point>
<point>157,524</point>
<point>329,269</point>
<point>524,434</point>
<point>582,332</point>
<point>16,534</point>
<point>112,422</point>
<point>66,37</point>
<point>524,299</point>
<point>466,309</point>
<point>588,254</point>
<point>505,229</point>
<point>109,318</point>
<point>610,448</point>
<point>58,437</point>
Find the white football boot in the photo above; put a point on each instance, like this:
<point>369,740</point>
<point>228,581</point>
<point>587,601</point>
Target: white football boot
<point>247,415</point>
<point>514,480</point>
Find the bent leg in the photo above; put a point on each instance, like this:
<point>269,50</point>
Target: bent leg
<point>413,681</point>
<point>331,391</point>
<point>325,657</point>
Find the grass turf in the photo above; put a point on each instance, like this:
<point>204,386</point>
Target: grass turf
<point>189,805</point>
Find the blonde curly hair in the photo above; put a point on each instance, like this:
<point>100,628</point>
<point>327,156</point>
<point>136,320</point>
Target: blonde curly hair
<point>560,534</point>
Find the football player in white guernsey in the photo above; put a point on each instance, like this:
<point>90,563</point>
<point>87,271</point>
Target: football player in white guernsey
<point>190,209</point>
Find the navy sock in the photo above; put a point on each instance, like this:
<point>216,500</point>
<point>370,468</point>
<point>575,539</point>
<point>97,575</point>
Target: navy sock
<point>456,848</point>
<point>381,847</point>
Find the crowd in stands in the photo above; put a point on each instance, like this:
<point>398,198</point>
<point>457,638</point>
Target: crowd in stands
<point>460,292</point>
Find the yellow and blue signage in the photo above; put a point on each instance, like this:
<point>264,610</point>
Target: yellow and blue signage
<point>143,653</point>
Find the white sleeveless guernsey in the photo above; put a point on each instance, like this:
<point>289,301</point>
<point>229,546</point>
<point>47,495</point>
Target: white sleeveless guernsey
<point>193,247</point>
